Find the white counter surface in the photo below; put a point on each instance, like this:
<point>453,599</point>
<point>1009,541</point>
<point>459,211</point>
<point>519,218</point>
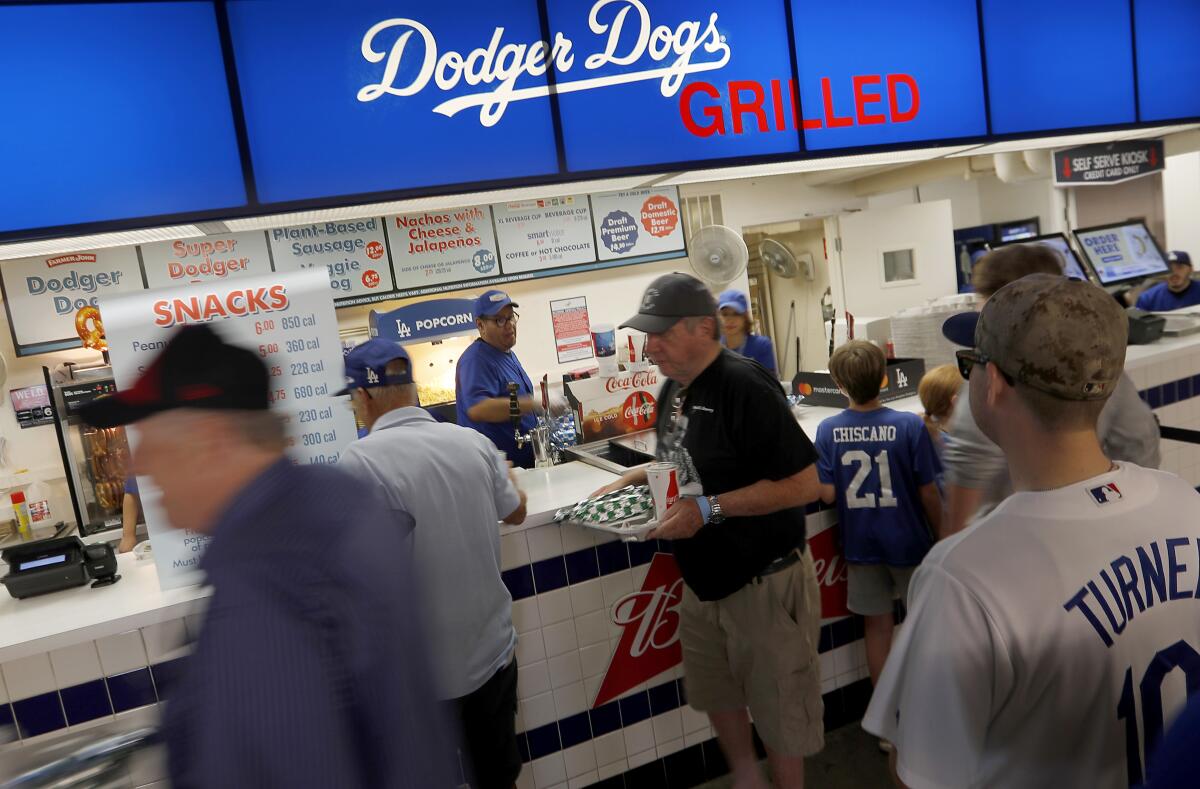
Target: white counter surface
<point>40,624</point>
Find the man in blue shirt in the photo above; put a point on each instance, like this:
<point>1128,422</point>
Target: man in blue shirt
<point>310,668</point>
<point>735,330</point>
<point>881,467</point>
<point>1177,292</point>
<point>484,372</point>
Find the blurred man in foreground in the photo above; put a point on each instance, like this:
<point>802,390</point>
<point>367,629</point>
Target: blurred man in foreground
<point>310,668</point>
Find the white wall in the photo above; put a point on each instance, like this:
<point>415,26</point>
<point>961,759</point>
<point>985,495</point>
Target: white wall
<point>963,194</point>
<point>782,198</point>
<point>1181,202</point>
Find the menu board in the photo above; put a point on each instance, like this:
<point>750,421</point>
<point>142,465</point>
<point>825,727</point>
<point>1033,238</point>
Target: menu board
<point>352,251</point>
<point>206,259</point>
<point>638,222</point>
<point>541,234</point>
<point>287,319</point>
<point>43,294</point>
<point>437,247</point>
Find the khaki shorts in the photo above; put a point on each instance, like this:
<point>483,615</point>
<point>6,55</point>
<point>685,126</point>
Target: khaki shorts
<point>757,648</point>
<point>872,588</point>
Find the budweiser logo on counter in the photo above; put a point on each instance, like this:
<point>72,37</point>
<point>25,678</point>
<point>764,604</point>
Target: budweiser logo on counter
<point>831,573</point>
<point>631,381</point>
<point>650,641</point>
<point>64,260</point>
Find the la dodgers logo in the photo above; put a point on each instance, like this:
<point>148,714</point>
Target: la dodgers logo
<point>1105,494</point>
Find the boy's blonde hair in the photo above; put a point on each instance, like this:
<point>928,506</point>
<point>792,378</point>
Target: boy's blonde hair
<point>937,391</point>
<point>858,368</point>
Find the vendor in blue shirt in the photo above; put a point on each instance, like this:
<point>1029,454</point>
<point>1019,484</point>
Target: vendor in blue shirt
<point>736,334</point>
<point>483,373</point>
<point>1177,292</point>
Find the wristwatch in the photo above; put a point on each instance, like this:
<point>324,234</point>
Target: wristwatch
<point>718,515</point>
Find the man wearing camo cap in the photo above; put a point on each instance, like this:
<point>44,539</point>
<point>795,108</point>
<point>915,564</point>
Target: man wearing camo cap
<point>1038,639</point>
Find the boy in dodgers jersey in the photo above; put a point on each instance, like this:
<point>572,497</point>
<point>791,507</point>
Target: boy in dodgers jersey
<point>1048,642</point>
<point>880,465</point>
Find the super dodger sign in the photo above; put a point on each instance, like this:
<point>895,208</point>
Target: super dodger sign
<point>43,294</point>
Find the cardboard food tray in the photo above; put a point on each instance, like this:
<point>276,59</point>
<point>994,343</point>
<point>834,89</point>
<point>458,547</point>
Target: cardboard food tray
<point>631,530</point>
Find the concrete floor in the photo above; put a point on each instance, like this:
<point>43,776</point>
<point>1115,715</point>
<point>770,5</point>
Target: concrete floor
<point>851,760</point>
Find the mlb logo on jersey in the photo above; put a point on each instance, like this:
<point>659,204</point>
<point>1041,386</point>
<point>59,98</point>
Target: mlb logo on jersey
<point>1105,494</point>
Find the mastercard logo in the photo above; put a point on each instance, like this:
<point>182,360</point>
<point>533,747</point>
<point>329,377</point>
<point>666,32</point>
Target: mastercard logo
<point>804,389</point>
<point>884,385</point>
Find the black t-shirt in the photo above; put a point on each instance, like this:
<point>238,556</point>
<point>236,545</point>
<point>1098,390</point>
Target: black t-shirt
<point>735,429</point>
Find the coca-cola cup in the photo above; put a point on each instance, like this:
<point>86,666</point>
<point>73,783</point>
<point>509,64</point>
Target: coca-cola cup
<point>664,487</point>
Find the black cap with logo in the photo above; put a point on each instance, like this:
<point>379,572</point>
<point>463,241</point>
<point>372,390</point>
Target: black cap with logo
<point>669,299</point>
<point>197,369</point>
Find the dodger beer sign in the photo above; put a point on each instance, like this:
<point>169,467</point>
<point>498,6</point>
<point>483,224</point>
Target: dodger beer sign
<point>1109,163</point>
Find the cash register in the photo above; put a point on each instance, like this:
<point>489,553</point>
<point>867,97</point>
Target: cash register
<point>46,566</point>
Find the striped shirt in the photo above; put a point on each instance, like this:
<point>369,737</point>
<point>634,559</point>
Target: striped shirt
<point>311,669</point>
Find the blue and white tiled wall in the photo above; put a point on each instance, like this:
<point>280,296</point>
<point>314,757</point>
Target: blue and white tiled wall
<point>1172,388</point>
<point>564,581</point>
<point>75,688</point>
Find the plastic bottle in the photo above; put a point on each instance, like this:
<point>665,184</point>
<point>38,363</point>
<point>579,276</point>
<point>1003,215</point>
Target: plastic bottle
<point>21,510</point>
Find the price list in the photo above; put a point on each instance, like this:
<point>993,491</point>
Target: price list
<point>287,319</point>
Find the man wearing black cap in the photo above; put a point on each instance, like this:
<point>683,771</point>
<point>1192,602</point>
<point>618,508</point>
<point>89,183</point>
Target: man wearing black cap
<point>457,486</point>
<point>305,672</point>
<point>750,614</point>
<point>1177,292</point>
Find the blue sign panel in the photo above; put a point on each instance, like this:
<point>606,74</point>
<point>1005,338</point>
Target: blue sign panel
<point>351,98</point>
<point>426,320</point>
<point>672,81</point>
<point>1060,65</point>
<point>882,73</point>
<point>1168,60</point>
<point>113,112</point>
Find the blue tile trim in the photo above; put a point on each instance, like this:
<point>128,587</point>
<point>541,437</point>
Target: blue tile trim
<point>549,574</point>
<point>574,730</point>
<point>635,708</point>
<point>544,741</point>
<point>642,552</point>
<point>39,715</point>
<point>613,557</point>
<point>605,719</point>
<point>519,581</point>
<point>1176,391</point>
<point>663,698</point>
<point>86,702</point>
<point>582,566</point>
<point>131,690</point>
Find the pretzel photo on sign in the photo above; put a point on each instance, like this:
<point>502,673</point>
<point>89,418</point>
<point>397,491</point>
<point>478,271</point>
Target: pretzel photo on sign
<point>90,328</point>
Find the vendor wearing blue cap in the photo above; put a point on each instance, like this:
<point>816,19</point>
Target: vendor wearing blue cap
<point>484,372</point>
<point>735,330</point>
<point>1177,292</point>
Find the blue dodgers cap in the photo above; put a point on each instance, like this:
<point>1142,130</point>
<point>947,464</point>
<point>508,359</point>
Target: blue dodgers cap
<point>1180,257</point>
<point>491,302</point>
<point>366,365</point>
<point>734,300</point>
<point>960,328</point>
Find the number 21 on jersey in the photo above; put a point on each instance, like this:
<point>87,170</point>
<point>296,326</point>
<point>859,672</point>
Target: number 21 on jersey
<point>855,498</point>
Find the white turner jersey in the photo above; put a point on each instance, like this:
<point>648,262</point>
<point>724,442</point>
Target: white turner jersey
<point>1050,643</point>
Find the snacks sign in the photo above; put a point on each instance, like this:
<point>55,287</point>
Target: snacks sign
<point>610,407</point>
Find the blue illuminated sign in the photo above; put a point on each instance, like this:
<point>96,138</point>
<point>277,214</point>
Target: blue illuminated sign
<point>113,112</point>
<point>673,80</point>
<point>892,77</point>
<point>373,96</point>
<point>1060,65</point>
<point>1168,60</point>
<point>426,320</point>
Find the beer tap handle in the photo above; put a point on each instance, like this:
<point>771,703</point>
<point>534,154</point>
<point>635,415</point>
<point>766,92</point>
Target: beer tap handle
<point>514,413</point>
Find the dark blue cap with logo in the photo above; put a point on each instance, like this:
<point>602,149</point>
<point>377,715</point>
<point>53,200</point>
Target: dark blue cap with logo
<point>491,302</point>
<point>366,365</point>
<point>960,328</point>
<point>1179,257</point>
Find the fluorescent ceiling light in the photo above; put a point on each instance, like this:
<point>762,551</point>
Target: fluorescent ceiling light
<point>814,165</point>
<point>439,203</point>
<point>57,246</point>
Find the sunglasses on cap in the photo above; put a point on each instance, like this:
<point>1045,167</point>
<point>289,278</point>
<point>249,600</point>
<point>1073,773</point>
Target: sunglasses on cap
<point>967,360</point>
